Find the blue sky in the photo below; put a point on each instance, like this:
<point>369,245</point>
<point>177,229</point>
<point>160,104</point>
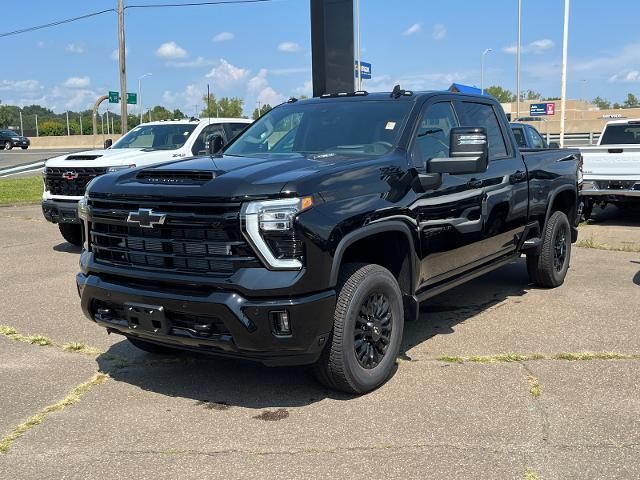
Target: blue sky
<point>261,52</point>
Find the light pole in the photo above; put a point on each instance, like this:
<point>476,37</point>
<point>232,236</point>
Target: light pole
<point>518,58</point>
<point>565,46</point>
<point>140,92</point>
<point>122,68</point>
<point>21,129</point>
<point>358,44</point>
<point>484,53</point>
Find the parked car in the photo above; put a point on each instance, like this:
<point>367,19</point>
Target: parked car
<point>10,139</point>
<point>527,136</point>
<point>66,177</point>
<point>612,168</point>
<point>317,232</point>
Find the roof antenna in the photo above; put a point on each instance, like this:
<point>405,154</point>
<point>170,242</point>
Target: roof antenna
<point>397,92</point>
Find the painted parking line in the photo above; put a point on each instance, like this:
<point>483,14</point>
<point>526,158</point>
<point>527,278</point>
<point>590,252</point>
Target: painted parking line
<point>21,169</point>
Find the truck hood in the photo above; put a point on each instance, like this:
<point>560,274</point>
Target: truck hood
<point>112,157</point>
<point>233,178</point>
<point>611,160</point>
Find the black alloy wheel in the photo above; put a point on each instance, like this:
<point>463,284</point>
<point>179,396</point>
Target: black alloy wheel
<point>372,332</point>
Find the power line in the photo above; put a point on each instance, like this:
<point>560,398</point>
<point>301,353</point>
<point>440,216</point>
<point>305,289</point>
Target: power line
<point>54,24</point>
<point>195,4</point>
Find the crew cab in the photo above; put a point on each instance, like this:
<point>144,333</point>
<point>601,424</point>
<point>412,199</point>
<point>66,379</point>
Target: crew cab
<point>314,235</point>
<point>527,137</point>
<point>612,168</point>
<point>66,177</point>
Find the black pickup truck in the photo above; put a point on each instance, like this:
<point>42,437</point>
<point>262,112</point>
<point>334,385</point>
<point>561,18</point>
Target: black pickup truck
<point>313,236</point>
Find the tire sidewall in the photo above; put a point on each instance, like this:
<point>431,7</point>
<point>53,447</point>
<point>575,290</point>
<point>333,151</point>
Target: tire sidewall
<point>359,377</point>
<point>560,221</point>
<point>8,146</point>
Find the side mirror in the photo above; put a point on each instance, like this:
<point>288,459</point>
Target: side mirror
<point>554,145</point>
<point>215,144</point>
<point>468,152</point>
<point>107,143</point>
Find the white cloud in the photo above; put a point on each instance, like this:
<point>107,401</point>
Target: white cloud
<point>289,47</point>
<point>627,77</point>
<point>289,71</point>
<point>20,86</point>
<point>610,62</point>
<point>439,32</point>
<point>413,29</point>
<point>223,37</point>
<point>225,74</point>
<point>536,47</point>
<point>198,62</point>
<point>75,48</point>
<point>306,89</point>
<point>77,82</point>
<point>40,44</point>
<point>259,90</point>
<point>171,51</point>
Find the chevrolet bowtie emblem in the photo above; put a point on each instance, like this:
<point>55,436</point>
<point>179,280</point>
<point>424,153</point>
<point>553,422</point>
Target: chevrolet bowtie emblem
<point>146,218</point>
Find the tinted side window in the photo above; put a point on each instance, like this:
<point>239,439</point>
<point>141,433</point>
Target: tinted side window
<point>482,115</point>
<point>236,128</point>
<point>200,145</point>
<point>434,132</point>
<point>520,138</point>
<point>536,139</point>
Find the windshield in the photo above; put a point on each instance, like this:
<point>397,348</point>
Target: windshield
<point>156,137</point>
<point>621,134</point>
<point>11,133</point>
<point>362,128</point>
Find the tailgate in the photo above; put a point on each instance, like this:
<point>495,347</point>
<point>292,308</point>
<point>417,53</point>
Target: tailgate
<point>612,161</point>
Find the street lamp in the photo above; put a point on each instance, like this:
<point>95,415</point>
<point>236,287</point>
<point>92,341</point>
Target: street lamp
<point>484,53</point>
<point>518,45</point>
<point>140,92</point>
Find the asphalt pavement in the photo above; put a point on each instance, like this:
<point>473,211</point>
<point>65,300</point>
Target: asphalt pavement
<point>27,162</point>
<point>456,407</point>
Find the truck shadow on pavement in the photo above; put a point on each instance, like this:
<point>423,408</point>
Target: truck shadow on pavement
<point>66,247</point>
<point>219,383</point>
<point>614,216</point>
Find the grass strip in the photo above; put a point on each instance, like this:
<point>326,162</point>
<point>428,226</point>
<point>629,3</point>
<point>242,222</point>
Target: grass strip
<point>15,191</point>
<point>73,397</point>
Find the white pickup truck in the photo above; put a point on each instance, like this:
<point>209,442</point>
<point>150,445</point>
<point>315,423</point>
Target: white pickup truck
<point>66,177</point>
<point>612,168</point>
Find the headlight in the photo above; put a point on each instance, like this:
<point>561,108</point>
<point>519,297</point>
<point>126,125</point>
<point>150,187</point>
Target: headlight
<point>118,168</point>
<point>268,226</point>
<point>83,208</point>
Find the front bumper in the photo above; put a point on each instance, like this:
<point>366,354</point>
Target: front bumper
<point>59,211</point>
<point>240,327</point>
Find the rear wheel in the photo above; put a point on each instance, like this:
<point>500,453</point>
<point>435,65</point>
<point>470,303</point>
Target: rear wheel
<point>367,330</point>
<point>72,233</point>
<point>7,145</point>
<point>154,348</point>
<point>550,267</point>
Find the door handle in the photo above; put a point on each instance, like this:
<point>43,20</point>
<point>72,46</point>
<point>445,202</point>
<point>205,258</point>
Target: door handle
<point>518,176</point>
<point>474,183</point>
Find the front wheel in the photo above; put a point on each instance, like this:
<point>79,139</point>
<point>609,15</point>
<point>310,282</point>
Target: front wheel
<point>8,146</point>
<point>367,330</point>
<point>549,269</point>
<point>72,233</point>
<point>24,148</point>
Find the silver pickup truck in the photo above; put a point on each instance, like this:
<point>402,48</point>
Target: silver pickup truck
<point>612,168</point>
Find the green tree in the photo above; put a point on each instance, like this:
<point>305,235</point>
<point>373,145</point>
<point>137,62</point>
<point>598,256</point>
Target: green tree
<point>261,111</point>
<point>52,127</point>
<point>8,115</point>
<point>500,94</point>
<point>177,114</point>
<point>617,106</point>
<point>531,95</point>
<point>225,107</point>
<point>601,103</point>
<point>160,113</point>
<point>631,101</point>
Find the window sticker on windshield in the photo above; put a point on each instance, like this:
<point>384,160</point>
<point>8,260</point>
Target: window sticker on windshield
<point>390,126</point>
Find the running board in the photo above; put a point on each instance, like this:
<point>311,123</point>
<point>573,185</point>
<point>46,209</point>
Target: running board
<point>443,287</point>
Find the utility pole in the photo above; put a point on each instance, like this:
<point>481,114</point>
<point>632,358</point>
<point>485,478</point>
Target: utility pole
<point>484,53</point>
<point>565,46</point>
<point>359,71</point>
<point>37,132</point>
<point>81,133</point>
<point>123,69</point>
<point>21,129</point>
<point>68,129</point>
<point>108,121</point>
<point>518,59</point>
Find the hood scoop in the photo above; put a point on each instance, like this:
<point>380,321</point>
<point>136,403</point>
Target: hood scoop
<point>83,157</point>
<point>175,177</point>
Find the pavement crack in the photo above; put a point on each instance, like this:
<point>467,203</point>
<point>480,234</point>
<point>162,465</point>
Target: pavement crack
<point>535,389</point>
<point>72,397</point>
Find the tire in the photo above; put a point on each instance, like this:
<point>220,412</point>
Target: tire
<point>587,209</point>
<point>8,146</point>
<point>549,269</point>
<point>363,288</point>
<point>72,233</point>
<point>24,148</point>
<point>154,348</point>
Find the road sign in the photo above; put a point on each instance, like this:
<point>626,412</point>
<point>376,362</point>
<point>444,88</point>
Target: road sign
<point>114,97</point>
<point>538,109</point>
<point>365,70</point>
<point>132,98</point>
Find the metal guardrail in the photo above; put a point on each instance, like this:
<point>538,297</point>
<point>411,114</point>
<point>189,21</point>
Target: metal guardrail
<point>574,139</point>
